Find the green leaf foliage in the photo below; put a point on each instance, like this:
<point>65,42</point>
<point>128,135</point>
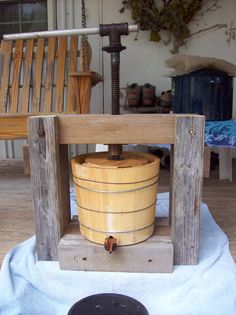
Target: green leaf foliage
<point>172,16</point>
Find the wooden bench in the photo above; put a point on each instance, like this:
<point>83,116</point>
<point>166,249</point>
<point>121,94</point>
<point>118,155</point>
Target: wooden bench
<point>35,79</point>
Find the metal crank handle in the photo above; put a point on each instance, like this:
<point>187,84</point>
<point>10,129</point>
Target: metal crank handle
<point>79,31</point>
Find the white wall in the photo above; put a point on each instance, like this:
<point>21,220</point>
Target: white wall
<point>144,61</point>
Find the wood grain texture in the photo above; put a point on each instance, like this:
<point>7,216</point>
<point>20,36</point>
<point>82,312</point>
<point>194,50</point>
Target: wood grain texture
<point>225,163</point>
<point>26,159</point>
<point>65,183</point>
<point>16,215</point>
<point>13,107</point>
<point>95,77</point>
<point>59,102</point>
<point>84,86</point>
<point>115,129</point>
<point>47,106</point>
<point>72,97</point>
<point>13,127</point>
<point>46,185</point>
<point>186,185</point>
<point>37,82</point>
<point>171,182</point>
<point>207,162</point>
<point>84,81</point>
<point>153,255</point>
<point>27,76</point>
<point>6,49</point>
<point>35,66</point>
<point>116,201</point>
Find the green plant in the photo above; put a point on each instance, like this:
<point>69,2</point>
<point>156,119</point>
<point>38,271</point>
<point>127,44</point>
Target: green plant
<point>172,16</point>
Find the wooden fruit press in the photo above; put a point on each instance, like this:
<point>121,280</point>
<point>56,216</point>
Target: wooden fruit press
<point>116,191</point>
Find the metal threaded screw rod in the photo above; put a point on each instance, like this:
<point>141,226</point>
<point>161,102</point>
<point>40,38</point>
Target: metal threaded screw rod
<point>115,83</point>
<point>114,31</point>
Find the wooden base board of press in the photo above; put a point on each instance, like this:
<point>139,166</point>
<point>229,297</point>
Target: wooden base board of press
<point>152,255</point>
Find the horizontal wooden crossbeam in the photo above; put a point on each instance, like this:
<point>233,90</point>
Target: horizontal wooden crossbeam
<point>153,255</point>
<point>114,129</point>
<point>106,129</point>
<point>13,127</point>
<point>84,129</point>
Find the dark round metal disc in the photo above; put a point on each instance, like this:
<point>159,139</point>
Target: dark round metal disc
<point>108,304</point>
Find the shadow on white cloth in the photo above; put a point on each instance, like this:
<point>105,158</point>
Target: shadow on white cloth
<point>31,287</point>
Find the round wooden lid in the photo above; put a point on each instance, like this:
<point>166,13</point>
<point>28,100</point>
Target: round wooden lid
<point>131,159</point>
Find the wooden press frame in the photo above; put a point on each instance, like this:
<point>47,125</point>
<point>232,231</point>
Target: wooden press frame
<point>49,137</point>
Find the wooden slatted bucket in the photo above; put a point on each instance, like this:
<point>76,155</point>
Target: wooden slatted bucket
<point>116,198</point>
